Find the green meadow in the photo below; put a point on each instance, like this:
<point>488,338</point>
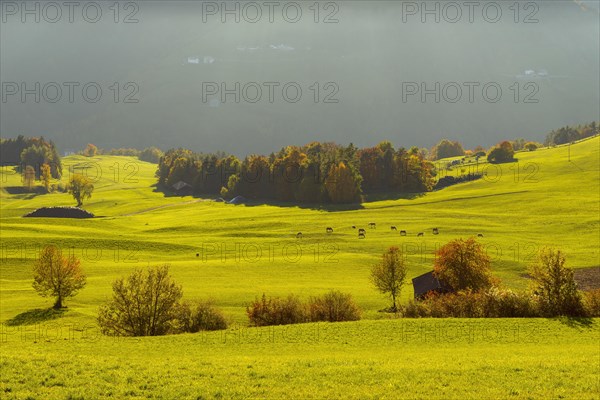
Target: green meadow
<point>232,254</point>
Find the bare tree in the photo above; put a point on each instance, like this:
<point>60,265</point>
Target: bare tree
<point>389,275</point>
<point>143,304</point>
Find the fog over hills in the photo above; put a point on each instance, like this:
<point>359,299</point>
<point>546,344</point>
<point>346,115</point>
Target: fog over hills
<point>367,61</point>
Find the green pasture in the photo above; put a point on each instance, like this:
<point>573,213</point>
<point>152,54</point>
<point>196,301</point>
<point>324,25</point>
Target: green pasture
<point>234,253</point>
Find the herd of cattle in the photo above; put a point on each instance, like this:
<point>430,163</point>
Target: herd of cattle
<point>362,232</point>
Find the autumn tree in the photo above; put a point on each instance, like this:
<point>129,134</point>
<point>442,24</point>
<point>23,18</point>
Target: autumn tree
<point>40,152</point>
<point>503,152</point>
<point>389,274</point>
<point>531,146</point>
<point>90,151</point>
<point>464,264</point>
<point>343,184</point>
<point>446,148</point>
<point>28,177</point>
<point>46,176</point>
<point>554,285</point>
<point>81,188</point>
<point>144,304</point>
<point>151,155</point>
<point>55,275</point>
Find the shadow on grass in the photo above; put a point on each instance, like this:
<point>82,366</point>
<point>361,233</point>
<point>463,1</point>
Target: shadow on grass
<point>577,322</point>
<point>35,316</point>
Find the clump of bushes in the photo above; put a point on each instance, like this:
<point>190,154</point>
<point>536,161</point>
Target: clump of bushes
<point>148,303</point>
<point>333,306</point>
<point>591,303</point>
<point>451,180</point>
<point>277,311</point>
<point>200,316</point>
<point>492,303</point>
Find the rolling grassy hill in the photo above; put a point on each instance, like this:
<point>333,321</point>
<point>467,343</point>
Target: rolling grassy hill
<point>543,199</point>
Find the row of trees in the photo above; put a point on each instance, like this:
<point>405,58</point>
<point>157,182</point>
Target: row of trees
<point>447,148</point>
<point>150,154</point>
<point>570,134</point>
<point>315,173</point>
<point>34,152</point>
<point>149,303</point>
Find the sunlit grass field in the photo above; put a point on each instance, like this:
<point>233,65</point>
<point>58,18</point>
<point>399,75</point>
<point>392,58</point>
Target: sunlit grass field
<point>232,254</point>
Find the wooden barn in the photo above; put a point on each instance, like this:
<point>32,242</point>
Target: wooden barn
<point>182,188</point>
<point>426,283</point>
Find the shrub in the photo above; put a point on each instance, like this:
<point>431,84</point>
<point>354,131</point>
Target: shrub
<point>415,309</point>
<point>463,264</point>
<point>553,285</point>
<point>199,316</point>
<point>591,302</point>
<point>493,303</point>
<point>277,311</point>
<point>144,304</point>
<point>504,303</point>
<point>334,306</point>
<point>452,180</point>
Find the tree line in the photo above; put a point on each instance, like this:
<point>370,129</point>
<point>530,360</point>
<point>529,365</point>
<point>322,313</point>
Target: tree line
<point>34,152</point>
<point>568,134</point>
<point>314,173</point>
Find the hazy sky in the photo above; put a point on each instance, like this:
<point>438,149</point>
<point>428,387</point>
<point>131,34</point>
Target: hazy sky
<point>173,74</point>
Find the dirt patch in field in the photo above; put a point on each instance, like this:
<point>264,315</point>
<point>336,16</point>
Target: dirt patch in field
<point>59,212</point>
<point>588,278</point>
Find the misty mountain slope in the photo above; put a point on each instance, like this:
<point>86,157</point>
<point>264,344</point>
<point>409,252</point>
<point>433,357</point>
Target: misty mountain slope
<point>368,55</point>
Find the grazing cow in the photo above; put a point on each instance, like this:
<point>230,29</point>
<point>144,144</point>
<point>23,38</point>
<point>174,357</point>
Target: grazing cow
<point>362,235</point>
<point>436,231</point>
<point>372,225</point>
<point>197,254</point>
<point>329,230</point>
<point>420,234</point>
<point>402,233</point>
<point>353,226</point>
<point>299,235</point>
<point>394,228</point>
<point>361,230</point>
<point>480,235</point>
